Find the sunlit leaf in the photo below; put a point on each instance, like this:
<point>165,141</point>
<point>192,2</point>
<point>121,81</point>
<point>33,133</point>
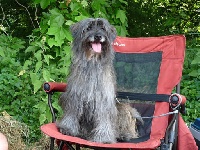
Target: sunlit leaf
<point>35,81</point>
<point>46,75</point>
<point>38,66</point>
<point>44,3</point>
<point>2,52</point>
<point>121,15</point>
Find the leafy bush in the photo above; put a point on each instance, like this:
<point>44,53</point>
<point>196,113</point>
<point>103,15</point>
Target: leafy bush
<point>16,95</point>
<point>191,77</point>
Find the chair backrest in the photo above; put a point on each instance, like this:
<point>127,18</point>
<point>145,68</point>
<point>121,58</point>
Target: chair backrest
<point>165,53</point>
<point>150,65</point>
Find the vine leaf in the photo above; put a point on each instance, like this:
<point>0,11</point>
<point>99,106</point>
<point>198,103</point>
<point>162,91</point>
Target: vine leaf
<point>121,15</point>
<point>44,3</point>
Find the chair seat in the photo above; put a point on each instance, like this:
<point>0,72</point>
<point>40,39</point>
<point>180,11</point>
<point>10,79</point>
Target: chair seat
<point>52,131</point>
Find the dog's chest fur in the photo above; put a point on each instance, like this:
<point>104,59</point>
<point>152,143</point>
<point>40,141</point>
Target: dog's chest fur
<point>91,83</point>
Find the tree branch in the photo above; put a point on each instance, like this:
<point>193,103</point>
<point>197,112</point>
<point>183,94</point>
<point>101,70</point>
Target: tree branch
<point>27,12</point>
<point>4,16</point>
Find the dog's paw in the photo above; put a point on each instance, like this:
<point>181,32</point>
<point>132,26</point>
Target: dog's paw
<point>66,131</point>
<point>63,131</point>
<point>68,128</point>
<point>126,137</point>
<point>102,137</point>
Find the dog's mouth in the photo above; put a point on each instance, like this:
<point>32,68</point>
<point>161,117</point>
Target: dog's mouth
<point>97,42</point>
<point>96,47</point>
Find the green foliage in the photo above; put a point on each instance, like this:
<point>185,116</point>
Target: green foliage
<point>159,17</point>
<point>16,96</point>
<point>191,77</point>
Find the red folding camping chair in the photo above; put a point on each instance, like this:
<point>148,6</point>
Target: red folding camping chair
<point>148,70</point>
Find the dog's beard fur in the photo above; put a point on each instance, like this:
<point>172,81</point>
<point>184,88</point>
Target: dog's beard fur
<point>89,102</point>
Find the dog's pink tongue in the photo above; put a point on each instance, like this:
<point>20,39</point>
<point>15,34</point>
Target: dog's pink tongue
<point>96,47</point>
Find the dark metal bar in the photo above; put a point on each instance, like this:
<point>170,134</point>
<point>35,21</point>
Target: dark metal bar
<point>51,106</point>
<point>176,132</point>
<point>61,145</point>
<point>52,143</point>
<point>78,147</point>
<point>69,145</point>
<point>178,88</point>
<point>53,117</point>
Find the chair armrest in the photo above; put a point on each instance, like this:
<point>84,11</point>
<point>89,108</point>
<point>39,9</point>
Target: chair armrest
<point>182,108</point>
<point>178,100</point>
<point>54,87</point>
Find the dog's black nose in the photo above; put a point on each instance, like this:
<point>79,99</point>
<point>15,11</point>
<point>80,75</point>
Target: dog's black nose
<point>97,37</point>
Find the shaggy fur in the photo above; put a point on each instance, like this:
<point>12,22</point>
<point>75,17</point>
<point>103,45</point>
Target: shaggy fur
<point>126,122</point>
<point>89,104</point>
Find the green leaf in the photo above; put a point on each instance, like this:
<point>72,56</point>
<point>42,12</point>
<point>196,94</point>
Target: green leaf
<point>60,34</point>
<point>194,73</point>
<point>35,81</point>
<point>44,3</point>
<point>26,64</point>
<point>124,1</point>
<point>52,42</point>
<point>198,28</point>
<point>74,7</point>
<point>57,107</point>
<point>42,118</point>
<point>53,30</point>
<point>31,49</point>
<point>47,57</point>
<point>121,15</point>
<point>2,52</point>
<point>67,50</point>
<point>38,55</point>
<point>97,4</point>
<point>48,116</point>
<point>69,23</point>
<point>36,1</point>
<point>60,42</point>
<point>41,106</point>
<point>81,17</point>
<point>38,66</point>
<point>196,60</point>
<point>56,19</point>
<point>67,34</point>
<point>46,75</point>
<point>121,30</point>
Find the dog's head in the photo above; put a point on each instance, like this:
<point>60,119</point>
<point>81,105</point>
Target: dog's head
<point>93,37</point>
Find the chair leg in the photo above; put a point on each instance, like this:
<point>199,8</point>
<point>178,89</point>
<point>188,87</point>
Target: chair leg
<point>61,145</point>
<point>52,144</point>
<point>69,146</point>
<point>78,147</point>
<point>176,133</point>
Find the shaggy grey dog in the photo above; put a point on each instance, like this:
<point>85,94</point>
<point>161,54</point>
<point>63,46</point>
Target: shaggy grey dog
<point>89,104</point>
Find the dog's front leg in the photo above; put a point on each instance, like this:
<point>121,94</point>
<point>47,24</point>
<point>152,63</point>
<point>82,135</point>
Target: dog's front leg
<point>105,131</point>
<point>69,124</point>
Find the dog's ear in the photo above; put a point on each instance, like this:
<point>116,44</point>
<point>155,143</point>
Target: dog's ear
<point>113,33</point>
<point>74,29</point>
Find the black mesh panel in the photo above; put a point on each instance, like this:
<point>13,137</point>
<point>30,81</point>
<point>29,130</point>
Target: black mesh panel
<point>138,73</point>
